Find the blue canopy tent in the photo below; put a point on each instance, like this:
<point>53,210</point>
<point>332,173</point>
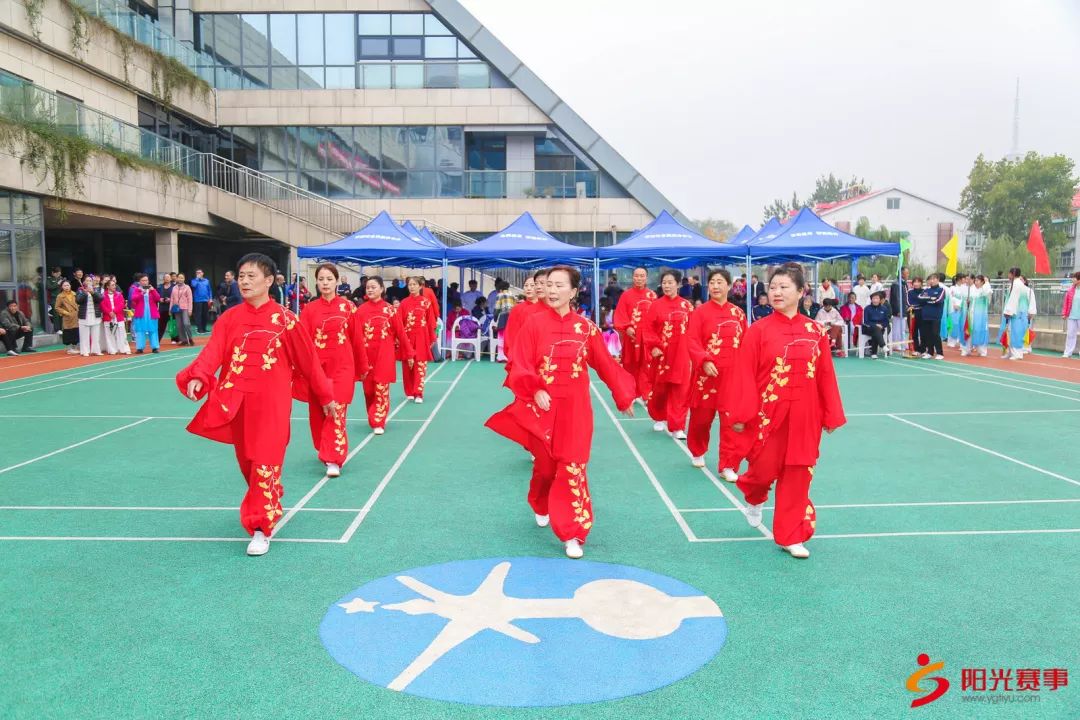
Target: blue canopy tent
<point>380,242</point>
<point>522,244</point>
<point>743,236</point>
<point>666,241</point>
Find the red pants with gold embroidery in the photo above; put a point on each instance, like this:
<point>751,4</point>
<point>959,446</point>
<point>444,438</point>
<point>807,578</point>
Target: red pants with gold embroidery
<point>413,378</point>
<point>733,445</point>
<point>329,435</point>
<point>670,402</point>
<point>261,506</point>
<point>794,518</point>
<point>377,398</point>
<point>559,489</point>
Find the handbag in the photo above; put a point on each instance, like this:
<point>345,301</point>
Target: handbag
<point>174,309</point>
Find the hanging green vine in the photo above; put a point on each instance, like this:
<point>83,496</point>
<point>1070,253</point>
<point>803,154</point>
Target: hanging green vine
<point>81,21</point>
<point>33,16</point>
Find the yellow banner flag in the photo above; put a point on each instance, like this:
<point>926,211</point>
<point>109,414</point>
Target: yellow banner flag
<point>951,251</point>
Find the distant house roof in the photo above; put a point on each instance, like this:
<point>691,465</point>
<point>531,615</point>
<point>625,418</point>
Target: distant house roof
<point>824,209</point>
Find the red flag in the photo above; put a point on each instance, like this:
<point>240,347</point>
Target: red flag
<point>1036,247</point>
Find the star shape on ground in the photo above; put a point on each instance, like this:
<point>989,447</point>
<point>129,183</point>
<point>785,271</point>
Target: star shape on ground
<point>358,605</point>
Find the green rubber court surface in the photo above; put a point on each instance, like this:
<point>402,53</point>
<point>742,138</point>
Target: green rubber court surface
<point>948,524</point>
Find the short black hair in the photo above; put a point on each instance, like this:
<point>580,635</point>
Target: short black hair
<point>673,273</point>
<point>12,302</point>
<point>259,260</point>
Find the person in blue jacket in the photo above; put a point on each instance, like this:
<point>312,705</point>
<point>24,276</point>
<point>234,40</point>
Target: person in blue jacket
<point>763,309</point>
<point>201,297</point>
<point>875,320</point>
<point>932,306</point>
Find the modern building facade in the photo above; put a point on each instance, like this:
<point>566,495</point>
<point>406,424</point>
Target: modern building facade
<point>222,126</point>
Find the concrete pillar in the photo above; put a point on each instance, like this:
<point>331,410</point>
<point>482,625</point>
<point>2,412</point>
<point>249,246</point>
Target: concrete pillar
<point>167,252</point>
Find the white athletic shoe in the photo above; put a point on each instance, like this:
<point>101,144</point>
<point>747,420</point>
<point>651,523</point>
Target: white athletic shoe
<point>729,475</point>
<point>574,550</point>
<point>964,352</point>
<point>798,550</point>
<point>926,356</point>
<point>753,514</point>
<point>14,353</point>
<point>679,434</point>
<point>409,397</point>
<point>542,521</point>
<point>982,352</point>
<point>698,461</point>
<point>659,426</point>
<point>939,357</point>
<point>874,356</point>
<point>418,401</point>
<point>379,431</point>
<point>259,544</point>
<point>333,470</point>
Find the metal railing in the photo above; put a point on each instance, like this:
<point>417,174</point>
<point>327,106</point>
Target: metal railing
<point>24,102</point>
<point>1049,300</point>
<point>559,184</point>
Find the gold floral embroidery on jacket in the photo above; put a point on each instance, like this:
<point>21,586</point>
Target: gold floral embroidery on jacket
<point>547,370</point>
<point>320,339</point>
<point>579,488</point>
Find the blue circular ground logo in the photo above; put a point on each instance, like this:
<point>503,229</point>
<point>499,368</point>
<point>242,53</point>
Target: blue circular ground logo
<point>524,631</point>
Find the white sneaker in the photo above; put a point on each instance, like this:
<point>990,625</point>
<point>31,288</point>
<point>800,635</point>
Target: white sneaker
<point>753,514</point>
<point>798,550</point>
<point>698,461</point>
<point>13,353</point>
<point>982,352</point>
<point>333,470</point>
<point>660,426</point>
<point>964,352</point>
<point>259,544</point>
<point>729,475</point>
<point>379,431</point>
<point>926,356</point>
<point>679,435</point>
<point>874,356</point>
<point>542,521</point>
<point>418,401</point>
<point>1062,355</point>
<point>574,550</point>
<point>939,357</point>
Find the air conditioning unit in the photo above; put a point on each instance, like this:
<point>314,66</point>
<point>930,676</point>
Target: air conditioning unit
<point>581,192</point>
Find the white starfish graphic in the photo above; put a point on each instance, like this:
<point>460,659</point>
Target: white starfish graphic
<point>358,605</point>
<point>620,608</point>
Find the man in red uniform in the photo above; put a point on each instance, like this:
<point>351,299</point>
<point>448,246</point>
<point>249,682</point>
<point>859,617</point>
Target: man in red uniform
<point>714,339</point>
<point>550,381</point>
<point>631,310</point>
<point>420,318</point>
<point>787,394</point>
<point>664,328</point>
<point>381,325</point>
<point>257,345</point>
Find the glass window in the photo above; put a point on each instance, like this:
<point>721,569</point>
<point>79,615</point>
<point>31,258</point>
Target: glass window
<point>277,150</point>
<point>284,78</point>
<point>28,260</point>
<point>463,50</point>
<point>341,78</point>
<point>7,269</point>
<point>311,78</point>
<point>340,39</point>
<point>204,33</point>
<point>440,48</point>
<point>393,183</point>
<point>5,207</point>
<point>375,75</point>
<point>374,24</point>
<point>366,145</point>
<point>448,148</point>
<point>421,185</point>
<point>440,75</point>
<point>450,184</point>
<point>374,47</point>
<point>473,75</point>
<point>892,203</point>
<point>309,144</point>
<point>256,78</point>
<point>421,149</point>
<point>283,39</point>
<point>255,43</point>
<point>409,75</point>
<point>339,183</point>
<point>407,24</point>
<point>26,210</point>
<point>395,143</point>
<point>408,47</point>
<point>432,26</point>
<point>310,34</point>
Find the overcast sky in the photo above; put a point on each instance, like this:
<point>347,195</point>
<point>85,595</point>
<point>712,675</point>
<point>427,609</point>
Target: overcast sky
<point>726,105</point>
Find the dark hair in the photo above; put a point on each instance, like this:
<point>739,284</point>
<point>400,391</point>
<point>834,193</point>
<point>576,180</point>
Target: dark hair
<point>852,295</point>
<point>140,276</point>
<point>472,282</point>
<point>12,301</point>
<point>542,272</point>
<point>1014,271</point>
<point>574,273</point>
<point>983,277</point>
<point>328,266</point>
<point>958,277</point>
<point>829,302</point>
<point>916,279</point>
<point>673,273</point>
<point>376,278</point>
<point>722,273</point>
<point>259,260</point>
<point>642,267</point>
<point>1076,276</point>
<point>793,271</point>
<point>55,269</point>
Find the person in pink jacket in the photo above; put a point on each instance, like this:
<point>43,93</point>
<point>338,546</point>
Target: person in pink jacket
<point>1070,310</point>
<point>112,318</point>
<point>180,305</point>
<point>143,300</point>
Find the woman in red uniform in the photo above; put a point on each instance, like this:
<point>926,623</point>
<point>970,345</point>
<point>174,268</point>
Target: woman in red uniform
<point>633,306</point>
<point>419,316</point>
<point>665,342</point>
<point>787,395</point>
<point>534,288</point>
<point>714,339</point>
<point>328,320</point>
<point>380,324</point>
<point>550,381</point>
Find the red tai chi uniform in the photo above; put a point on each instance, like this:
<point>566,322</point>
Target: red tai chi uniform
<point>419,316</point>
<point>554,353</point>
<point>787,395</point>
<point>519,314</point>
<point>715,335</point>
<point>631,310</point>
<point>257,351</point>
<point>339,346</point>
<point>381,325</point>
<point>665,328</point>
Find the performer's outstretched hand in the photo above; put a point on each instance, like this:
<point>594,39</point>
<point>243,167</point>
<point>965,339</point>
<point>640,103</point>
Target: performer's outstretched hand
<point>709,369</point>
<point>543,400</point>
<point>331,410</point>
<point>194,387</point>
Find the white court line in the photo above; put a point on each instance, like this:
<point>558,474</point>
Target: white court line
<point>988,451</point>
<point>927,533</point>
<point>679,519</point>
<point>135,361</point>
<point>105,538</point>
<point>75,445</point>
<point>1007,375</point>
<point>181,417</point>
<point>132,508</point>
<point>887,375</point>
<point>360,516</point>
<point>901,504</point>
<point>961,412</point>
<point>318,486</point>
<point>967,376</point>
<point>127,367</point>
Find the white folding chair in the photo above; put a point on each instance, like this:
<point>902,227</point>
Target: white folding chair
<point>472,343</point>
